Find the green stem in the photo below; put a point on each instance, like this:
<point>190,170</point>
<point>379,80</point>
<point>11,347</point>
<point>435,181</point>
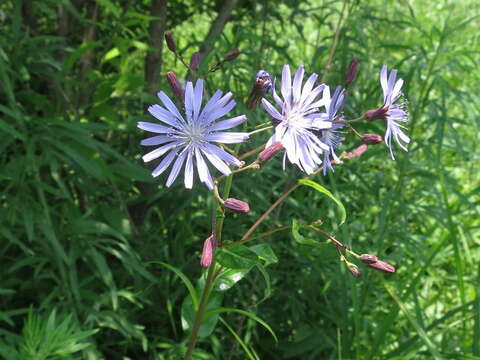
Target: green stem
<point>219,215</point>
<point>201,310</point>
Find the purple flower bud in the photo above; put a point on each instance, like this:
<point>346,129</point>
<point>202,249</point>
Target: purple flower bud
<point>208,252</point>
<point>368,258</point>
<point>354,270</point>
<point>382,266</point>
<point>372,139</point>
<point>352,72</point>
<point>172,46</point>
<point>195,61</point>
<point>377,114</point>
<point>175,85</point>
<point>356,152</point>
<point>270,151</point>
<point>262,84</point>
<point>263,80</point>
<point>236,205</point>
<point>232,55</point>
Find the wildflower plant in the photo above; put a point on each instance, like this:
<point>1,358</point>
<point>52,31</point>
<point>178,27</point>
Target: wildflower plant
<point>194,131</point>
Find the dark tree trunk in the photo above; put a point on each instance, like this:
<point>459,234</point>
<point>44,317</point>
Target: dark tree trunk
<point>156,31</point>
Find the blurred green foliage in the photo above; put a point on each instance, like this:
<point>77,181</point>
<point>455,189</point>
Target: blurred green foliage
<point>86,232</point>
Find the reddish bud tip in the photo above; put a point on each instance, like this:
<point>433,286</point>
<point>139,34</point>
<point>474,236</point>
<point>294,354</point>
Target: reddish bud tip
<point>372,139</point>
<point>175,85</point>
<point>195,61</point>
<point>377,114</point>
<point>208,252</point>
<point>232,55</point>
<point>354,270</point>
<point>270,152</point>
<point>172,46</point>
<point>382,266</point>
<point>368,258</point>
<point>352,72</point>
<point>357,152</point>
<point>236,205</point>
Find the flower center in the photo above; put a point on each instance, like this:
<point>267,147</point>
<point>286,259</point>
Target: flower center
<point>193,134</point>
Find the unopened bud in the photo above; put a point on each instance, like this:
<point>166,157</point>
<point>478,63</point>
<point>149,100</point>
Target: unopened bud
<point>270,152</point>
<point>352,72</point>
<point>382,266</point>
<point>195,61</point>
<point>172,46</point>
<point>372,139</point>
<point>175,85</point>
<point>356,152</point>
<point>208,252</point>
<point>262,84</point>
<point>354,270</point>
<point>232,55</point>
<point>368,258</point>
<point>236,205</point>
<point>377,114</point>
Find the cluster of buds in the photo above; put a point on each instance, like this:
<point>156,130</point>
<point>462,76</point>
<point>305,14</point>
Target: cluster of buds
<point>368,139</point>
<point>371,261</point>
<point>196,57</point>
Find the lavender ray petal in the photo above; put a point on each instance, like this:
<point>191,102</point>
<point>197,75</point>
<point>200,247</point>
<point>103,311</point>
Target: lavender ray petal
<point>163,115</point>
<point>210,104</point>
<point>227,137</point>
<point>396,90</point>
<point>222,154</point>
<point>169,105</point>
<point>228,123</point>
<point>277,98</point>
<point>286,88</point>
<point>219,112</point>
<point>164,164</point>
<point>308,86</point>
<point>219,164</point>
<point>189,170</point>
<point>383,81</point>
<point>176,169</point>
<point>189,99</point>
<point>152,155</point>
<point>271,110</point>
<point>156,140</point>
<point>155,128</point>
<point>297,84</point>
<point>197,99</point>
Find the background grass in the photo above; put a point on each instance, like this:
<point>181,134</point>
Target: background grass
<point>83,225</point>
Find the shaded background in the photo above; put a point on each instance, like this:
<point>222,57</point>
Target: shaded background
<point>81,219</point>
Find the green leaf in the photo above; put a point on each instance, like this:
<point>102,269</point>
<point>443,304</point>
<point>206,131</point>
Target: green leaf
<point>245,313</point>
<point>323,190</point>
<point>265,252</point>
<point>209,320</point>
<point>237,257</point>
<point>229,278</point>
<point>239,339</point>
<point>299,238</point>
<point>185,280</point>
